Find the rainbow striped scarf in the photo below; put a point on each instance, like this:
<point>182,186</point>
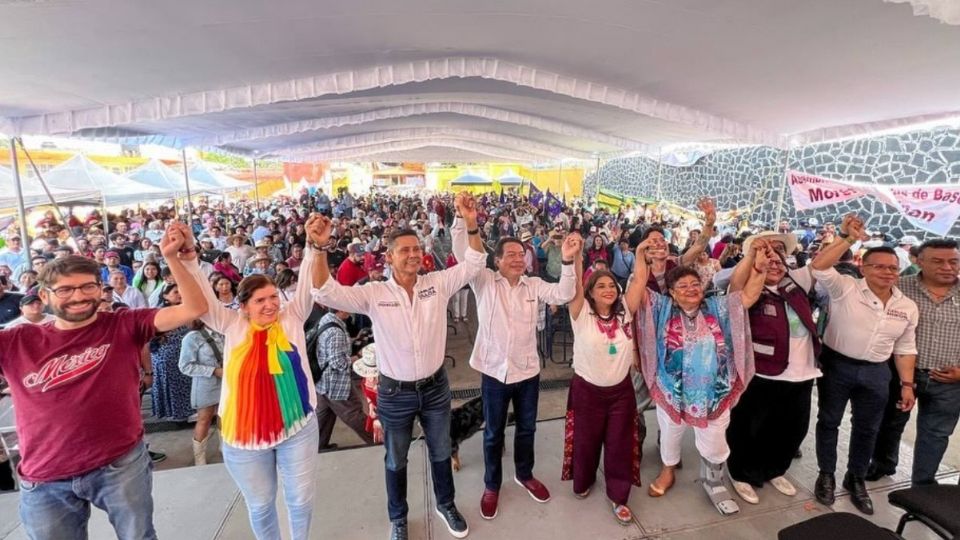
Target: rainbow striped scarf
<point>269,393</point>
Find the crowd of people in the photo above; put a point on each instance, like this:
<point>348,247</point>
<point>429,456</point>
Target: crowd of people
<point>268,323</point>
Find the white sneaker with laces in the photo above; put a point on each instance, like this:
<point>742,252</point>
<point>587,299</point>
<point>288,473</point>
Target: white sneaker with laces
<point>784,486</point>
<point>746,492</point>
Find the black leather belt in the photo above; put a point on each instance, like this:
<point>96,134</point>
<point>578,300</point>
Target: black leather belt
<point>418,384</point>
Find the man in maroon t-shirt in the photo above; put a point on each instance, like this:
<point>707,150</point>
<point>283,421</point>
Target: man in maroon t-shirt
<point>75,392</point>
<point>351,270</point>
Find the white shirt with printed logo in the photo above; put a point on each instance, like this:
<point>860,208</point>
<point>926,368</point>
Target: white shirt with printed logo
<point>860,326</point>
<point>411,335</point>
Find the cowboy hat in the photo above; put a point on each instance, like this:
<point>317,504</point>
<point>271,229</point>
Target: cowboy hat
<point>789,240</point>
<point>366,365</point>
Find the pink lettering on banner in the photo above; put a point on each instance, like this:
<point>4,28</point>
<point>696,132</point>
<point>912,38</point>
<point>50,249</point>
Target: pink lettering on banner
<point>63,369</point>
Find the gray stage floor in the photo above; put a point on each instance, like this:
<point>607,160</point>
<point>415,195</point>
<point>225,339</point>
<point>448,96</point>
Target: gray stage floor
<point>203,503</point>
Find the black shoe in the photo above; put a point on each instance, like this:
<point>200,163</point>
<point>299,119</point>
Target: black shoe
<point>454,520</point>
<point>157,457</point>
<point>874,473</point>
<point>858,493</point>
<point>398,530</point>
<point>798,454</point>
<point>825,489</point>
<point>329,448</point>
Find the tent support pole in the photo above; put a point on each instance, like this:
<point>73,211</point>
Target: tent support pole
<point>659,174</point>
<point>783,188</point>
<point>598,177</point>
<point>21,207</point>
<point>43,184</point>
<point>186,181</point>
<point>256,185</point>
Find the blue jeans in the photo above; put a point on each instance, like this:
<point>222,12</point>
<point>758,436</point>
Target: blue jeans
<point>866,387</point>
<point>59,510</point>
<point>497,397</point>
<point>398,408</point>
<point>255,472</point>
<point>938,408</point>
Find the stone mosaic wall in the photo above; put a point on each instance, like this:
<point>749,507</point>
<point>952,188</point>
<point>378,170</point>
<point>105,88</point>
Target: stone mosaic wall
<point>747,177</point>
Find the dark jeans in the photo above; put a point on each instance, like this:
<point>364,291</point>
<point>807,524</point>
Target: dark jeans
<point>866,386</point>
<point>766,429</point>
<point>398,408</point>
<point>497,397</point>
<point>938,407</point>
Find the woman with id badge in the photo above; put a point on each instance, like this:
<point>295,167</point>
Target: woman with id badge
<point>773,415</point>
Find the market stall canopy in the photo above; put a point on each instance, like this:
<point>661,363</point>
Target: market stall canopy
<point>80,173</point>
<point>34,195</point>
<point>510,178</point>
<point>524,80</point>
<point>471,180</point>
<point>204,175</point>
<point>157,174</point>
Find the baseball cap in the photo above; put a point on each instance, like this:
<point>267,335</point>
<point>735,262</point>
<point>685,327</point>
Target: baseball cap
<point>111,254</point>
<point>29,299</point>
<point>355,249</point>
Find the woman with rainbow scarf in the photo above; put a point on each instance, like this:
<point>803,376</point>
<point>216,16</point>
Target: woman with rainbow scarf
<point>267,401</point>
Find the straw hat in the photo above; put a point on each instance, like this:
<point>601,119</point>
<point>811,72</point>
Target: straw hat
<point>366,365</point>
<point>789,240</point>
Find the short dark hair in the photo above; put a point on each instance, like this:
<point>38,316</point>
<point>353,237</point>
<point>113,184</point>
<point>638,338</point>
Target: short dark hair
<point>396,235</point>
<point>67,266</point>
<point>879,249</point>
<point>502,243</point>
<point>650,230</point>
<point>679,272</point>
<point>938,243</point>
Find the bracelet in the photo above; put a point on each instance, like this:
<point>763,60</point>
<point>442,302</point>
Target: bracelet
<point>910,385</point>
<point>473,231</point>
<point>318,248</point>
<point>566,262</point>
<point>185,250</point>
<point>850,240</point>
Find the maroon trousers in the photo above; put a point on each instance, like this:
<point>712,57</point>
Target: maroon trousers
<point>602,419</point>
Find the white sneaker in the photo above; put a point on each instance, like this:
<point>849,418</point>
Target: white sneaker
<point>784,486</point>
<point>746,492</point>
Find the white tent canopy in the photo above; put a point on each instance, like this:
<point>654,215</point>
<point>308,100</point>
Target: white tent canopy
<point>471,179</point>
<point>159,175</point>
<point>79,172</point>
<point>34,195</point>
<point>510,178</point>
<point>566,78</point>
<point>202,174</point>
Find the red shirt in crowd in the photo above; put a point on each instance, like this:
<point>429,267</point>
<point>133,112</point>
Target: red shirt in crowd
<point>76,392</point>
<point>350,273</point>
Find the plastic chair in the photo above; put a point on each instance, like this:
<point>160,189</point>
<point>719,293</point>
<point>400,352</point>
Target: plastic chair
<point>836,526</point>
<point>935,506</point>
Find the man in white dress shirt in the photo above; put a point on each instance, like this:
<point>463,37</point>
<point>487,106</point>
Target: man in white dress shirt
<point>505,350</point>
<point>869,320</point>
<point>409,314</point>
<point>125,294</point>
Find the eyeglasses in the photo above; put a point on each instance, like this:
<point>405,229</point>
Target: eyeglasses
<point>885,268</point>
<point>67,291</point>
<point>688,287</point>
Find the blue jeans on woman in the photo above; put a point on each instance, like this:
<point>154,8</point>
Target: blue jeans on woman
<point>255,472</point>
<point>398,408</point>
<point>60,510</point>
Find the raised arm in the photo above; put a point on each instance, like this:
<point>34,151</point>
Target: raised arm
<point>709,208</point>
<point>753,288</point>
<point>576,305</point>
<point>564,291</point>
<point>636,293</point>
<point>830,256</point>
<point>743,270</point>
<point>178,246</point>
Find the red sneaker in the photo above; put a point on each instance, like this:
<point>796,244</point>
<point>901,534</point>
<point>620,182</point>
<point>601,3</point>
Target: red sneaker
<point>488,504</point>
<point>535,488</point>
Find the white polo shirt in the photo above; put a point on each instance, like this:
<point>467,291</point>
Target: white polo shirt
<point>860,326</point>
<point>506,343</point>
<point>411,335</point>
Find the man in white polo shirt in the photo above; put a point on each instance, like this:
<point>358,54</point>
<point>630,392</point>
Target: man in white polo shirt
<point>869,320</point>
<point>409,314</point>
<point>505,350</point>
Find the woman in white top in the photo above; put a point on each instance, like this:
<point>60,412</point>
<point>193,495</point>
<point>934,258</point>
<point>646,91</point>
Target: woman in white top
<point>601,405</point>
<point>267,400</point>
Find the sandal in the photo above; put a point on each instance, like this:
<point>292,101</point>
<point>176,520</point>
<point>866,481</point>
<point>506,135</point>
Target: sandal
<point>623,514</point>
<point>583,495</point>
<point>659,491</point>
